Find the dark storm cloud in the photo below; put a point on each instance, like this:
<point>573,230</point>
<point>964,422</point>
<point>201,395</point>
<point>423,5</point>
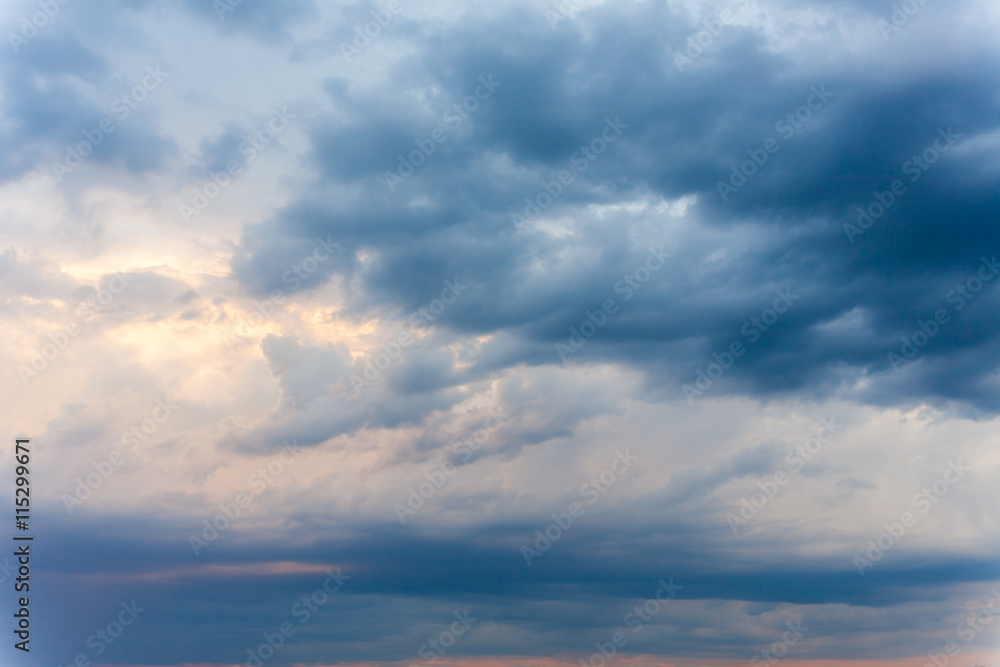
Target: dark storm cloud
<point>597,568</point>
<point>50,105</point>
<point>685,131</point>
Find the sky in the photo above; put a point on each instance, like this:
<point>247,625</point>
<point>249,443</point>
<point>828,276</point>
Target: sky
<point>526,334</point>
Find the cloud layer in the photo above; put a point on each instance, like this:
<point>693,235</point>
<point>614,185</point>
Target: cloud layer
<point>513,311</point>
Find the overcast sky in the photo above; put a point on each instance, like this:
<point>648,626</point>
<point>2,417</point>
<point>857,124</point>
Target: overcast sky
<point>499,321</point>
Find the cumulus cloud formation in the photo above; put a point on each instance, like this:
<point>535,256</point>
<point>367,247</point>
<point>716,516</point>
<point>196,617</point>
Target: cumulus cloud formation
<point>394,333</point>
